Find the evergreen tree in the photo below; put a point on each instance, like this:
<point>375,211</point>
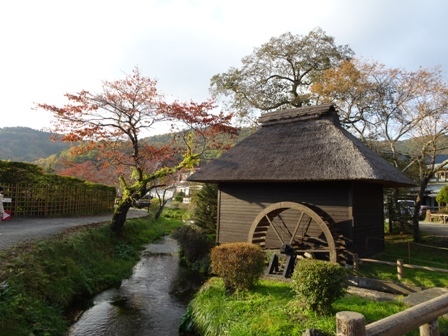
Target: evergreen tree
<point>205,213</point>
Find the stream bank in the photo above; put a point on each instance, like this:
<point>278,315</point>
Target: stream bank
<point>151,302</point>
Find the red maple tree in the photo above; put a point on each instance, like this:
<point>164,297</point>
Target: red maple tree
<point>114,122</point>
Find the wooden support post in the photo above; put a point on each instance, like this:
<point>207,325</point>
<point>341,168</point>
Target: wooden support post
<point>289,266</point>
<point>355,262</point>
<point>350,324</point>
<point>400,268</point>
<point>409,253</point>
<point>273,265</point>
<point>430,329</point>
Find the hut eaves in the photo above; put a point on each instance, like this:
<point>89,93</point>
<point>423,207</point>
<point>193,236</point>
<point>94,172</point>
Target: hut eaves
<point>301,145</point>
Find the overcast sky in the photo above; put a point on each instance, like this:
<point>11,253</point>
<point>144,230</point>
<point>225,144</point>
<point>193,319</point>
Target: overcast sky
<point>51,47</point>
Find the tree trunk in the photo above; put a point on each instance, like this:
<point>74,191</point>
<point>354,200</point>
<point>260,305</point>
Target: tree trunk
<point>398,215</point>
<point>119,217</point>
<point>418,202</point>
<point>160,210</point>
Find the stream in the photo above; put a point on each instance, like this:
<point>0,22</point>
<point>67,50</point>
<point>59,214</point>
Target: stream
<point>150,302</point>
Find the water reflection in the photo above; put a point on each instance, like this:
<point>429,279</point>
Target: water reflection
<point>151,302</point>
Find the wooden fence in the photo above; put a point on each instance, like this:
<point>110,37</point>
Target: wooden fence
<point>400,265</point>
<point>57,200</point>
<point>423,316</point>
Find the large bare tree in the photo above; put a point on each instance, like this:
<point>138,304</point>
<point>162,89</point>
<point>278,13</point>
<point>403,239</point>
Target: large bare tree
<point>390,107</point>
<point>279,73</point>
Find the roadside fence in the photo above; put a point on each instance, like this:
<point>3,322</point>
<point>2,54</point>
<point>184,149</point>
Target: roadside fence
<point>57,200</point>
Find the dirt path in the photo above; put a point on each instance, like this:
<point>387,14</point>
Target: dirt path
<point>21,229</point>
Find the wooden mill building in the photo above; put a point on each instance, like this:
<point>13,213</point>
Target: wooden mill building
<point>302,180</point>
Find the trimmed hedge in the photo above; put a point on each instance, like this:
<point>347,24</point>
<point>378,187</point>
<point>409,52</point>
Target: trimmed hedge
<point>35,193</point>
<point>195,246</point>
<point>240,265</point>
<point>317,284</point>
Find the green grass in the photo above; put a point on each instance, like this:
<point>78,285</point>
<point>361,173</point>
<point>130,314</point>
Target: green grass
<point>40,280</point>
<point>270,309</point>
<point>424,254</point>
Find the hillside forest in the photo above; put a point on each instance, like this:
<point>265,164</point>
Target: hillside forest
<point>24,144</point>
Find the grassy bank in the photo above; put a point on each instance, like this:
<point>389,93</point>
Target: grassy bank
<point>432,252</point>
<point>40,281</point>
<point>270,308</point>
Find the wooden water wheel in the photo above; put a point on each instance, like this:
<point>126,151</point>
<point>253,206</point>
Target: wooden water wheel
<point>302,227</point>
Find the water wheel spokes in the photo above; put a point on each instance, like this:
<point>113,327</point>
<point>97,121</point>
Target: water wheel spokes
<point>291,241</point>
<point>274,227</point>
<point>306,228</point>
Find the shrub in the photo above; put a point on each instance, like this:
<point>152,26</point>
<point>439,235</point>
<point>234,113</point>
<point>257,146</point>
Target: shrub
<point>194,246</point>
<point>240,265</point>
<point>317,284</point>
<point>173,213</point>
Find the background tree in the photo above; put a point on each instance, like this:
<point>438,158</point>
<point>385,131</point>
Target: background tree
<point>279,73</point>
<point>163,190</point>
<point>442,196</point>
<point>113,120</point>
<point>206,207</point>
<point>387,108</point>
<point>90,170</point>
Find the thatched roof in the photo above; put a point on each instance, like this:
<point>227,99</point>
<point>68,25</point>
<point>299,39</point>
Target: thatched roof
<point>301,145</point>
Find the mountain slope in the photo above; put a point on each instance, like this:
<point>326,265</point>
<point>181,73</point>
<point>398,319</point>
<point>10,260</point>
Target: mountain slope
<point>24,144</point>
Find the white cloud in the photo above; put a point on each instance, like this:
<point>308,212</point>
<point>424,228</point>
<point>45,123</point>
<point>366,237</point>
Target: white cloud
<point>50,47</point>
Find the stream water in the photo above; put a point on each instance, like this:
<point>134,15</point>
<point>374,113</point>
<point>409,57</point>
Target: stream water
<point>150,302</point>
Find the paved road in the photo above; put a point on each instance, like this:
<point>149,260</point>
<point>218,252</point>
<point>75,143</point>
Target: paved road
<point>437,229</point>
<point>21,229</point>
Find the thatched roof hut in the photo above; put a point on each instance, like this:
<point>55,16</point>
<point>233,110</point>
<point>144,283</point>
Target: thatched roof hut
<point>302,168</point>
<point>301,145</point>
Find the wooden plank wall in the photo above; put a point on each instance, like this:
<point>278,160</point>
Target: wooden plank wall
<point>240,203</point>
<point>368,219</point>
